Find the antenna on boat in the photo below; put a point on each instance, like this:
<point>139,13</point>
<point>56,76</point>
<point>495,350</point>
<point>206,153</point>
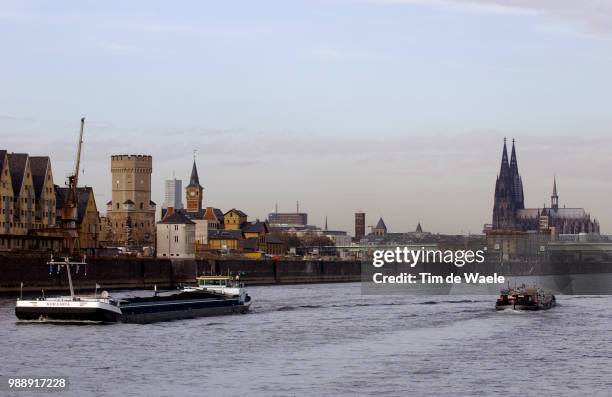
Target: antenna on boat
<point>67,262</point>
<point>21,291</point>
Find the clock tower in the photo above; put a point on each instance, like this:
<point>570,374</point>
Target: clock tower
<point>194,191</point>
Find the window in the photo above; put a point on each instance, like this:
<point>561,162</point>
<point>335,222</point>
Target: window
<point>117,205</point>
<point>141,205</point>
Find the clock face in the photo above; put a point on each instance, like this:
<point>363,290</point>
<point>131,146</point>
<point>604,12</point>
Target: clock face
<point>192,193</point>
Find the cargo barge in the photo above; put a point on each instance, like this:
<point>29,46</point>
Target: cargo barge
<point>210,296</point>
<point>525,298</point>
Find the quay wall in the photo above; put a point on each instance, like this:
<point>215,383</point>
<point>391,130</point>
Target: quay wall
<point>135,273</point>
<point>144,273</point>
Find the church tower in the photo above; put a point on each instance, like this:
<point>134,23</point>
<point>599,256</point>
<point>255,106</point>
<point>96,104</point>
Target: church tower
<point>554,199</point>
<point>519,199</point>
<point>508,192</point>
<point>193,191</point>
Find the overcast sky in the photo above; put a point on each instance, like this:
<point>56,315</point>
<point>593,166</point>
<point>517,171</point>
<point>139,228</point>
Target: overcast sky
<point>394,107</point>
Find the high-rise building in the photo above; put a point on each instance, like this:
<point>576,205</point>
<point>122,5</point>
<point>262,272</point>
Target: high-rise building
<point>173,194</point>
<point>288,218</point>
<point>131,212</point>
<point>359,225</point>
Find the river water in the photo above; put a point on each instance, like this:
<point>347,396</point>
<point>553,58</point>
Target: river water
<point>328,339</point>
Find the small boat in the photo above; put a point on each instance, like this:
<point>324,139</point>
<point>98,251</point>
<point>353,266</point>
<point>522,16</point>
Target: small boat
<point>210,296</point>
<point>73,308</point>
<point>525,298</point>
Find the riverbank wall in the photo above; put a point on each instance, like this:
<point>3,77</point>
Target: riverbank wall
<point>144,273</point>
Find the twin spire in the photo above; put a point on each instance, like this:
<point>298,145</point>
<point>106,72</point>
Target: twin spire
<point>512,166</point>
<point>510,169</point>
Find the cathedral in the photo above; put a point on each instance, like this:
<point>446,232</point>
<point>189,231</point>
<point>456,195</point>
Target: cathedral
<point>510,214</point>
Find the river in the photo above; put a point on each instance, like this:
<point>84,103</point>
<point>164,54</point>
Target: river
<point>328,339</point>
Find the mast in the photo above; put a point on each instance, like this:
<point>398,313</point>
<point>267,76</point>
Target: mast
<point>69,278</point>
<point>66,263</point>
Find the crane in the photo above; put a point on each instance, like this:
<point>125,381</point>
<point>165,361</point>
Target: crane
<point>71,202</point>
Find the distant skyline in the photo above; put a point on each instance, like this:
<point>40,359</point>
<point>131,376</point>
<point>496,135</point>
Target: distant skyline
<point>397,108</point>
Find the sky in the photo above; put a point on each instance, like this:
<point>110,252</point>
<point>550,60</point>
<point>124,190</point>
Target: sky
<point>397,108</point>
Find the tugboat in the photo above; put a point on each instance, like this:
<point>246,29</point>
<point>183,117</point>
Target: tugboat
<point>525,298</point>
<point>73,308</point>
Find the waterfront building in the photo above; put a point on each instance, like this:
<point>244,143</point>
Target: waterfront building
<point>23,193</point>
<point>27,204</point>
<point>89,224</point>
<point>175,236</point>
<point>256,229</point>
<point>234,219</point>
<point>226,240</point>
<point>201,233</point>
<point>214,216</point>
<point>6,195</point>
<point>131,212</point>
<point>360,228</point>
<point>173,193</point>
<point>255,235</point>
<point>511,216</point>
<point>44,192</point>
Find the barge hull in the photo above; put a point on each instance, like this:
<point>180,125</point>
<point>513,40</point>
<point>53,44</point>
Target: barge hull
<point>66,314</point>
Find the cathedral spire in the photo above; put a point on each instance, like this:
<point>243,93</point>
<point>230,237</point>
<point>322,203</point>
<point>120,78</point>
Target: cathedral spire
<point>505,167</point>
<point>513,161</point>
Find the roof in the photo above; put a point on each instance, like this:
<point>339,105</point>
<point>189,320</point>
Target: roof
<point>419,229</point>
<point>151,202</point>
<point>83,194</point>
<point>38,167</point>
<point>270,239</point>
<point>17,167</point>
<point>255,227</point>
<point>213,214</point>
<point>128,201</point>
<point>110,202</point>
<point>194,180</point>
<point>240,213</point>
<point>563,213</point>
<point>199,214</point>
<point>381,224</point>
<point>225,234</point>
<point>175,218</point>
<point>2,157</point>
